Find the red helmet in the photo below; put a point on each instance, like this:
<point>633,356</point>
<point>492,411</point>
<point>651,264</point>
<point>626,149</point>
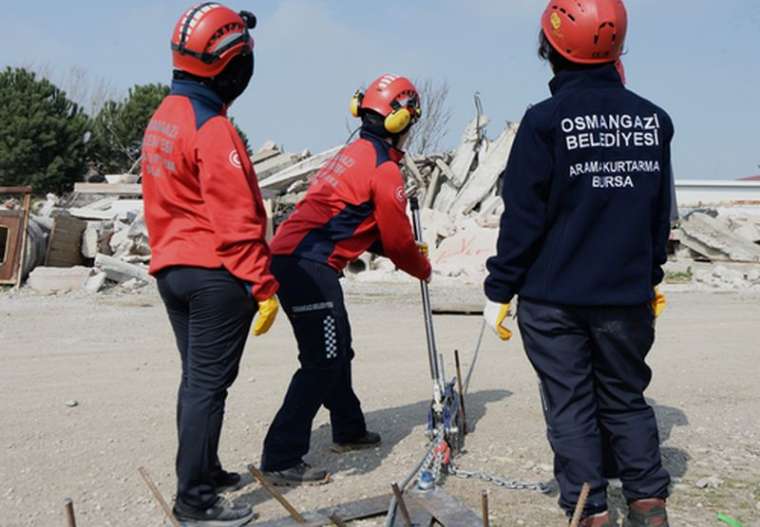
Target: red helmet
<point>394,98</point>
<point>208,36</point>
<point>586,31</point>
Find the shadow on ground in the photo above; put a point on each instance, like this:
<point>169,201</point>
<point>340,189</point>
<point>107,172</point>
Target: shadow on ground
<point>395,425</point>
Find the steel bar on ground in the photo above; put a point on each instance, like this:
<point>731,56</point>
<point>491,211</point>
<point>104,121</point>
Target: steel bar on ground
<point>577,515</point>
<point>159,498</point>
<point>68,507</point>
<point>402,505</point>
<point>256,473</point>
<point>484,506</point>
<point>461,393</point>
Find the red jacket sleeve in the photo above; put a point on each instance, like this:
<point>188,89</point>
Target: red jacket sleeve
<point>235,209</point>
<point>395,230</point>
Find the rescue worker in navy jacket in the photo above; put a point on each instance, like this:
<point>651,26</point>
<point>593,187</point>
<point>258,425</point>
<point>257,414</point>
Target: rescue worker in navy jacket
<point>207,225</point>
<point>582,243</point>
<point>356,203</point>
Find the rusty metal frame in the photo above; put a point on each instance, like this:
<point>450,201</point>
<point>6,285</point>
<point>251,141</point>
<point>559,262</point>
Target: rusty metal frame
<point>17,253</point>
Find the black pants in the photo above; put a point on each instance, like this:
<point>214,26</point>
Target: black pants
<point>312,298</point>
<point>591,365</point>
<point>211,314</point>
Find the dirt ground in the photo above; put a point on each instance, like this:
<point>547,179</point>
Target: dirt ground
<point>114,355</point>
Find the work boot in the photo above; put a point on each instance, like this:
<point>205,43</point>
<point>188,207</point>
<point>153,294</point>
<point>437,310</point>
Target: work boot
<point>647,513</point>
<point>368,440</point>
<point>221,514</point>
<point>227,481</point>
<point>597,520</point>
<point>301,474</point>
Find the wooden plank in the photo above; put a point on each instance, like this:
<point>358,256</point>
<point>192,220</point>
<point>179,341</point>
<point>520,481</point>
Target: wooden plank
<point>351,511</point>
<point>125,189</point>
<point>65,244</point>
<point>16,190</point>
<point>447,510</point>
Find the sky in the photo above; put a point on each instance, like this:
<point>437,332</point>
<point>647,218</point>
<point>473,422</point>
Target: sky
<point>698,59</point>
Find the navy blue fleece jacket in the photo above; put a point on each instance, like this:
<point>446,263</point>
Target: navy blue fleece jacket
<point>587,197</point>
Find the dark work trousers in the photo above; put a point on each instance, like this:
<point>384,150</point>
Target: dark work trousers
<point>211,313</point>
<point>312,298</point>
<point>591,365</point>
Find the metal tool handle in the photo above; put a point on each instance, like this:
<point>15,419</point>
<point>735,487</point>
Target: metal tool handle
<point>435,369</point>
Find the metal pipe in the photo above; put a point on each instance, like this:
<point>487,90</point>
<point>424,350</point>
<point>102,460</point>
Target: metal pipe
<point>461,393</point>
<point>474,358</point>
<point>435,369</point>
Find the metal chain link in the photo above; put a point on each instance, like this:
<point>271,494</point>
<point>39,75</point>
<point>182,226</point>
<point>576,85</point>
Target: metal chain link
<point>506,483</point>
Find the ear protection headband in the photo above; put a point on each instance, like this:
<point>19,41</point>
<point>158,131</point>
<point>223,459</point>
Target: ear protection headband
<point>398,120</point>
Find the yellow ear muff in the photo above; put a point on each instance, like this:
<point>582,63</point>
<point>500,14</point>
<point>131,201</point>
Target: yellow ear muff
<point>356,103</point>
<point>398,120</point>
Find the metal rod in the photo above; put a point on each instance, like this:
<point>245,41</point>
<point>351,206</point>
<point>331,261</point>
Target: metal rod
<point>392,506</point>
<point>484,506</point>
<point>256,473</point>
<point>461,393</point>
<point>68,507</point>
<point>338,521</point>
<point>435,371</point>
<point>159,498</point>
<point>585,491</point>
<point>474,357</point>
<point>402,505</point>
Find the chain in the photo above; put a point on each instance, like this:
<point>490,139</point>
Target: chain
<point>506,483</point>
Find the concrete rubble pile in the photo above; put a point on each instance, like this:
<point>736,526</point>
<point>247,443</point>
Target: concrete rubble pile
<point>98,240</point>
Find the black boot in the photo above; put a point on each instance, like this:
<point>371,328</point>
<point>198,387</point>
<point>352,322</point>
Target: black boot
<point>221,514</point>
<point>301,474</point>
<point>228,481</point>
<point>368,440</point>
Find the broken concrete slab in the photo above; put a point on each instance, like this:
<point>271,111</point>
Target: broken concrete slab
<point>275,164</point>
<point>96,282</point>
<point>55,280</point>
<point>713,239</point>
<point>462,163</point>
<point>304,169</point>
<point>120,271</point>
<point>490,166</point>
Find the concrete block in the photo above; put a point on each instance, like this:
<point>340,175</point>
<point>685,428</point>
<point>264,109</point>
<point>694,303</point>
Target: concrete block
<point>53,280</point>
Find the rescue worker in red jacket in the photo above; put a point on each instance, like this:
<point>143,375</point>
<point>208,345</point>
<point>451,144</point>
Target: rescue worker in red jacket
<point>582,243</point>
<point>207,225</point>
<point>356,203</point>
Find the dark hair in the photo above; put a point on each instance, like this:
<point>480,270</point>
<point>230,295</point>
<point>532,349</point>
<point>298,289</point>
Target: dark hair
<point>557,61</point>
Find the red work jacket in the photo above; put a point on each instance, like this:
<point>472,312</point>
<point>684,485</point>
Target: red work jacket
<point>203,206</point>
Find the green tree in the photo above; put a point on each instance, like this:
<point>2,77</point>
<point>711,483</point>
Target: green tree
<point>120,125</point>
<point>43,139</point>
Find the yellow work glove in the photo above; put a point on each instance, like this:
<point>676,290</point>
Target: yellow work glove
<point>659,303</point>
<point>267,313</point>
<point>424,249</point>
<point>495,315</point>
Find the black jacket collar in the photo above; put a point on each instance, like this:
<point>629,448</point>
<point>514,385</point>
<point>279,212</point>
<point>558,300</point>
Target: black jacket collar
<point>569,80</point>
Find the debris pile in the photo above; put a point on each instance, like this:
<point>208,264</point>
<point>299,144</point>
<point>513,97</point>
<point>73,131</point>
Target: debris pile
<point>101,225</point>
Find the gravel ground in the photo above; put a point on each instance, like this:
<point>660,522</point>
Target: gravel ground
<point>114,355</point>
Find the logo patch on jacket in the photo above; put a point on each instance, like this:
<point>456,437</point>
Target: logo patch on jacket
<point>400,194</point>
<point>234,159</point>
